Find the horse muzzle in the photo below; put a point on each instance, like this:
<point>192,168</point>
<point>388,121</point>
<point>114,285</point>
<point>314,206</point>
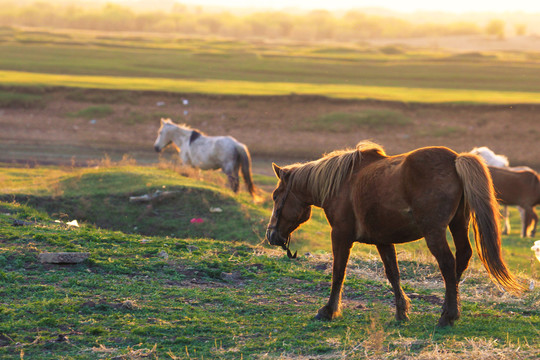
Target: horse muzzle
<point>157,148</point>
<point>274,238</point>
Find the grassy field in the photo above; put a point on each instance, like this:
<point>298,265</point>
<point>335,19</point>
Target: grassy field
<point>99,196</point>
<point>233,87</point>
<point>83,59</point>
<point>158,286</point>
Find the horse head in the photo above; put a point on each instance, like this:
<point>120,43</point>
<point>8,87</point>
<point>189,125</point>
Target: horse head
<point>165,136</point>
<point>289,211</point>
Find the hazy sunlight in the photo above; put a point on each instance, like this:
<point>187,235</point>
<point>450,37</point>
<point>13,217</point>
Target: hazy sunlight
<point>457,6</point>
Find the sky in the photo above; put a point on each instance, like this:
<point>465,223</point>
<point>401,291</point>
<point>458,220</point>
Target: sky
<point>454,6</point>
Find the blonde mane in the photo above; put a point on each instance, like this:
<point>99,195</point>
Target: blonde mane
<point>325,176</point>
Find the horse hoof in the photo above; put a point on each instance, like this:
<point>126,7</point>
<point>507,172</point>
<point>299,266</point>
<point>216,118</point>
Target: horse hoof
<point>444,322</point>
<point>322,316</point>
<point>319,317</point>
<point>325,315</point>
<point>402,318</point>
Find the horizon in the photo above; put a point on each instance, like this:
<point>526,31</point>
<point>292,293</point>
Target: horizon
<point>412,6</point>
<point>456,7</point>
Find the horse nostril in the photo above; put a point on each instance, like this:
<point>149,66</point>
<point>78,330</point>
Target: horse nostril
<point>271,236</point>
<point>268,234</point>
<point>157,148</point>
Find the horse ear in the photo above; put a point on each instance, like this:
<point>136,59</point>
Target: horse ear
<point>277,170</point>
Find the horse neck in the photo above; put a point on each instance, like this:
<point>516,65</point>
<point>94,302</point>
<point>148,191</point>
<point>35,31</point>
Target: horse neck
<point>303,193</point>
<point>180,135</point>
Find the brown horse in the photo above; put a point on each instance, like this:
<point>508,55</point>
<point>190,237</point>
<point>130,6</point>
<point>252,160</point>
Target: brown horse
<point>521,187</point>
<point>373,198</point>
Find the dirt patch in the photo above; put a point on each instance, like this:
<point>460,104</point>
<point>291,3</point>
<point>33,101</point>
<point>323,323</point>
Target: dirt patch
<point>274,128</point>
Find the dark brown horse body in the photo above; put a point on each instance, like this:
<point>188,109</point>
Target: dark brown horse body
<point>372,198</point>
<point>520,188</point>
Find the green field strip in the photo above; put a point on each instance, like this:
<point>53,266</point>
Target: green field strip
<point>234,87</point>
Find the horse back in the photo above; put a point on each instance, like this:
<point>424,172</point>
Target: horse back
<point>396,196</point>
<point>209,152</point>
<point>513,187</point>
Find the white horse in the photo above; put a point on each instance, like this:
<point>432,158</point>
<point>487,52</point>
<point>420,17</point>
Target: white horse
<point>536,249</point>
<point>208,152</point>
<point>492,159</point>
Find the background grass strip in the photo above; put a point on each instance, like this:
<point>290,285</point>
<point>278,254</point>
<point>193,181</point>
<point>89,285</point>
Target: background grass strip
<point>232,87</point>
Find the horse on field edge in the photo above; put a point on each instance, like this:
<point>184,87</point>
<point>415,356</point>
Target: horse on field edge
<point>208,152</point>
<point>490,158</point>
<point>373,198</point>
<point>514,185</point>
<point>521,188</point>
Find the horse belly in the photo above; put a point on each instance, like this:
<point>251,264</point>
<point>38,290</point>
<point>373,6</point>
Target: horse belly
<point>207,166</point>
<point>203,161</point>
<point>387,226</point>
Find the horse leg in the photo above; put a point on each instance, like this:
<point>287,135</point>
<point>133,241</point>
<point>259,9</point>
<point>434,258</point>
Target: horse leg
<point>388,256</point>
<point>529,220</point>
<point>459,227</point>
<point>341,249</point>
<point>231,170</point>
<point>437,244</point>
<point>234,182</point>
<point>524,222</point>
<point>506,228</point>
<point>236,169</point>
<point>534,222</point>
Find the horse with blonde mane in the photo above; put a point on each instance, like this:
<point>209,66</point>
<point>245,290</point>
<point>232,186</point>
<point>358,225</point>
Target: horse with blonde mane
<point>372,198</point>
<point>208,152</point>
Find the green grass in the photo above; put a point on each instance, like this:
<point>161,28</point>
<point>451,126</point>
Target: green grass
<point>133,117</point>
<point>298,63</point>
<point>227,300</point>
<point>340,121</point>
<point>218,291</point>
<point>92,112</point>
<point>96,97</point>
<point>101,197</point>
<point>234,67</point>
<point>157,285</point>
<point>20,100</point>
<point>447,131</point>
<point>237,87</point>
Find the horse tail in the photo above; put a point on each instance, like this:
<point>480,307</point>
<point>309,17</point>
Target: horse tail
<point>245,165</point>
<point>480,198</point>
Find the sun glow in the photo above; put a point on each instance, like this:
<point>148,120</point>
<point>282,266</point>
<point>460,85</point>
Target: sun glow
<point>456,6</point>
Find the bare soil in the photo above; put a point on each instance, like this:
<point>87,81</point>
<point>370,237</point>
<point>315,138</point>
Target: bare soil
<point>274,128</point>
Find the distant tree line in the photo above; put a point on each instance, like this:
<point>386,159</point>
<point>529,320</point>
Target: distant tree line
<point>319,25</point>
